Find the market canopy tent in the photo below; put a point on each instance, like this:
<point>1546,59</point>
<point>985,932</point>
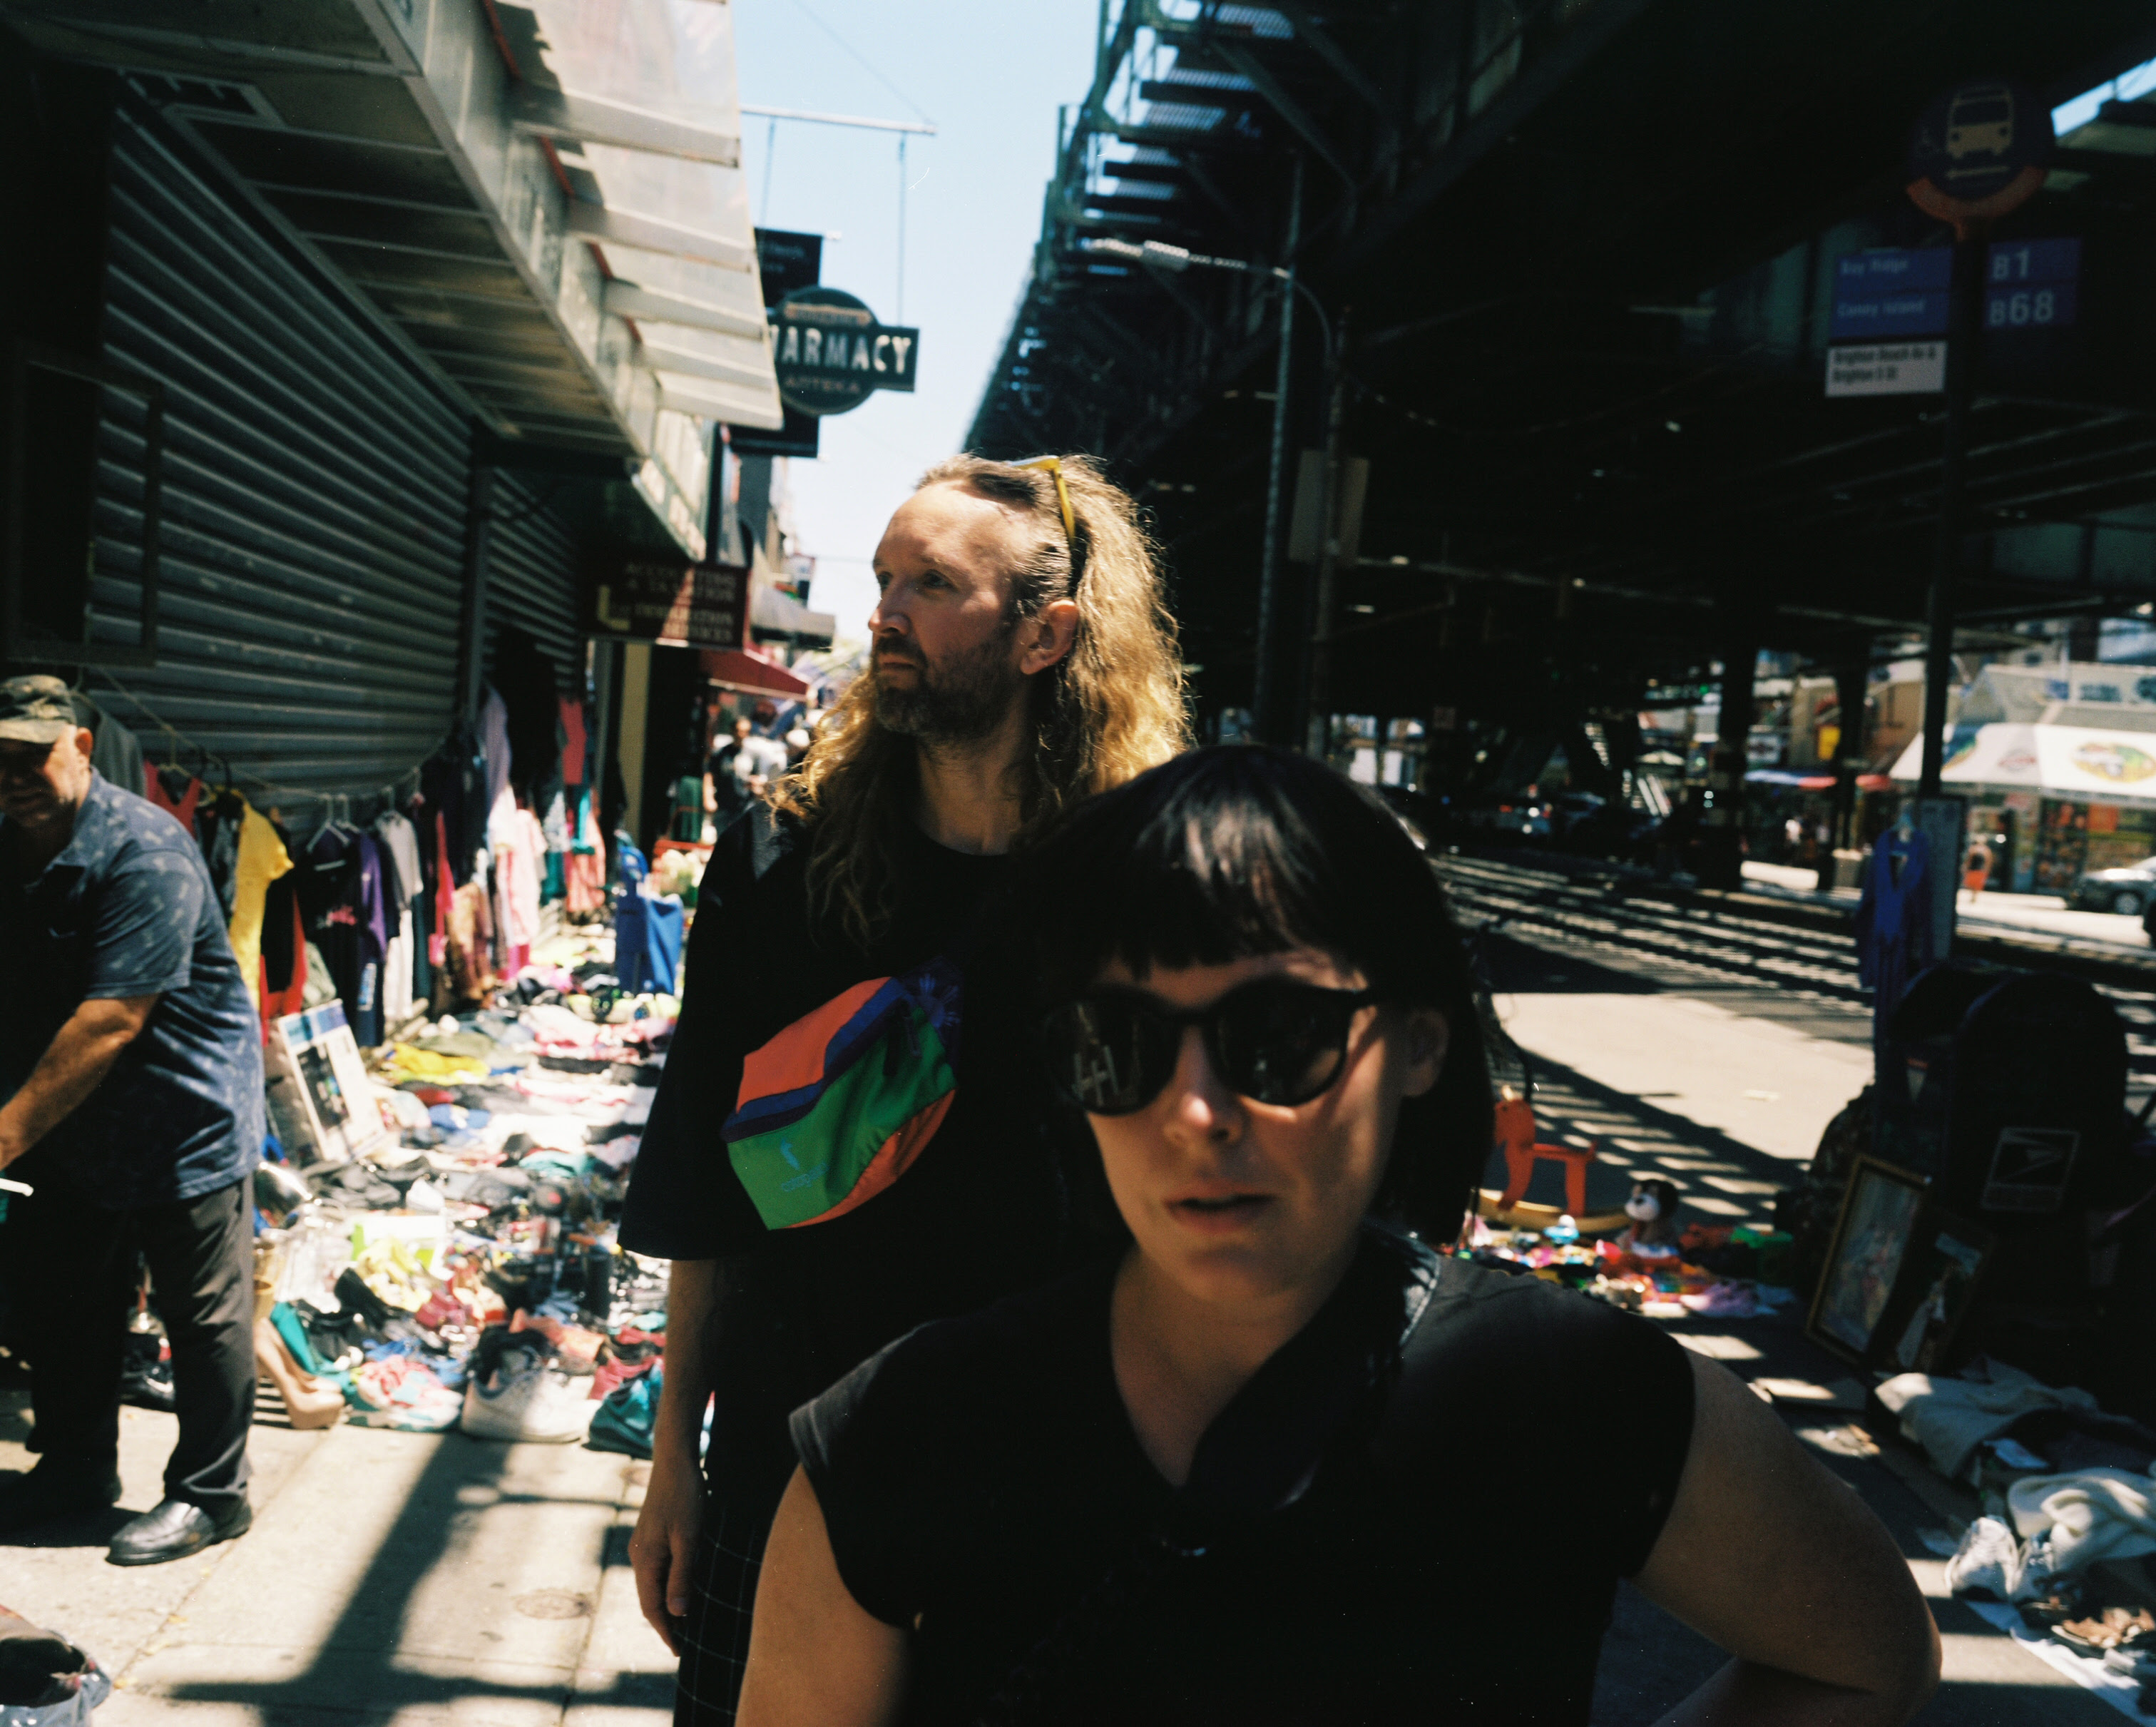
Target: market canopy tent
<point>2063,761</point>
<point>732,670</point>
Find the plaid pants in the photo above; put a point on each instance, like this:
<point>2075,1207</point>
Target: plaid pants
<point>714,1635</point>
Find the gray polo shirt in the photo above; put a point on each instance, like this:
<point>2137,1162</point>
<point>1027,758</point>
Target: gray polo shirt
<point>127,909</point>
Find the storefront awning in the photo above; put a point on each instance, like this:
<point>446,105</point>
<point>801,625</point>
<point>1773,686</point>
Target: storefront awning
<point>1790,777</point>
<point>544,200</point>
<point>2060,761</point>
<point>732,670</point>
<point>777,616</point>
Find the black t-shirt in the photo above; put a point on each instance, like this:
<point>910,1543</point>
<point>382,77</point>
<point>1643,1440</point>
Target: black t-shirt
<point>940,1197</point>
<point>1453,1555</point>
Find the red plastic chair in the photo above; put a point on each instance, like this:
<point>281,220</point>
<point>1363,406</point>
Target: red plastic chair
<point>1515,1122</point>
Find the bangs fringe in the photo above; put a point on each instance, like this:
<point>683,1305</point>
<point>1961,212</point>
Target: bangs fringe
<point>1231,859</point>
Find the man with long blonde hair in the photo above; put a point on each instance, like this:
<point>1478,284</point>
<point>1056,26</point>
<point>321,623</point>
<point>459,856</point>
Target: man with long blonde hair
<point>843,1147</point>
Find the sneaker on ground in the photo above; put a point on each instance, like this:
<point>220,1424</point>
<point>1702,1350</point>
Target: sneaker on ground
<point>1987,1563</point>
<point>527,1402</point>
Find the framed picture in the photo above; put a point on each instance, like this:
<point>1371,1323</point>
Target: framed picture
<point>1938,1286</point>
<point>1863,1260</point>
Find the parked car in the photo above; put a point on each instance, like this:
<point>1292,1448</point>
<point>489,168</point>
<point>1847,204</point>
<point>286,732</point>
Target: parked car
<point>2130,890</point>
<point>1515,816</point>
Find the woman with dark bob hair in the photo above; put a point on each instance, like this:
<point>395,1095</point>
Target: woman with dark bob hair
<point>1274,1461</point>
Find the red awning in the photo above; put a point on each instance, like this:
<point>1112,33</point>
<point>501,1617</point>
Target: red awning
<point>731,669</point>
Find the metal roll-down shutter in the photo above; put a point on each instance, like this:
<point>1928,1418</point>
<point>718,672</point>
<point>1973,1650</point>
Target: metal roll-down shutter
<point>532,582</point>
<point>314,491</point>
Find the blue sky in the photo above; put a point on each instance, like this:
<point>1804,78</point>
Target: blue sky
<point>990,76</point>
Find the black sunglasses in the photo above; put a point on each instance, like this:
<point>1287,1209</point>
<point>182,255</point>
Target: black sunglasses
<point>1274,1041</point>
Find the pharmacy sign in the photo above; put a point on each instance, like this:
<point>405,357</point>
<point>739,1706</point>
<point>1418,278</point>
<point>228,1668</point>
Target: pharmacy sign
<point>830,351</point>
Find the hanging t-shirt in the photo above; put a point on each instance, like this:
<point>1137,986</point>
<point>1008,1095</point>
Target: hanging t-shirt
<point>494,746</point>
<point>850,1129</point>
<point>174,792</point>
<point>340,887</point>
<point>262,860</point>
<point>402,882</point>
<point>453,782</point>
<point>219,821</point>
<point>1338,1552</point>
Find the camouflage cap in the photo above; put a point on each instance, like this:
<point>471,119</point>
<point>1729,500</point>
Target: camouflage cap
<point>35,710</point>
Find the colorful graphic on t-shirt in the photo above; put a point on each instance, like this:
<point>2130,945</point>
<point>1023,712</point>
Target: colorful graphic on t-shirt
<point>837,1107</point>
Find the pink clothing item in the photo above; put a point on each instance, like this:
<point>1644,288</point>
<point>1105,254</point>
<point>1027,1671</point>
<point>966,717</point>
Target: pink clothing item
<point>445,893</point>
<point>519,846</point>
<point>584,878</point>
<point>572,742</point>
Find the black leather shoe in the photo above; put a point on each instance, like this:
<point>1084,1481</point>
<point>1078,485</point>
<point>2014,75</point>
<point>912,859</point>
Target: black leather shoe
<point>175,1529</point>
<point>47,1492</point>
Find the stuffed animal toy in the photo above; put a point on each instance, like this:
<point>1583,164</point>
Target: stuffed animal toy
<point>1653,1209</point>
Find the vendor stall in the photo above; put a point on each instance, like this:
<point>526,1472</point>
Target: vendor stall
<point>2066,800</point>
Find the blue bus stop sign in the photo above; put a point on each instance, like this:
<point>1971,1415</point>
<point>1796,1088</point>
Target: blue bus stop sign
<point>1977,151</point>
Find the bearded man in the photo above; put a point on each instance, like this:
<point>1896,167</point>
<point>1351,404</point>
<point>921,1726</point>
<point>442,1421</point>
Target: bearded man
<point>836,1153</point>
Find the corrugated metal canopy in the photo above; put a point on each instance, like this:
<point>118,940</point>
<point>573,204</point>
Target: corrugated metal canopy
<point>551,212</point>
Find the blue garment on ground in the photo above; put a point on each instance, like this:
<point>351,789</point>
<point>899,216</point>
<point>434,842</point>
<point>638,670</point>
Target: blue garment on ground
<point>127,909</point>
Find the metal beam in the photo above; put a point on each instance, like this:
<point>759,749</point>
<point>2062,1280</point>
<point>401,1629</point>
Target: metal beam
<point>1335,56</point>
<point>1289,110</point>
<point>815,119</point>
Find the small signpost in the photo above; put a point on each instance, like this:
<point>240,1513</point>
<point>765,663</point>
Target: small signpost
<point>1907,294</point>
<point>1975,154</point>
<point>642,597</point>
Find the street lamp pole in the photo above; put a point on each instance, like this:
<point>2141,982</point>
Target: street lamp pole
<point>1264,696</point>
<point>1267,695</point>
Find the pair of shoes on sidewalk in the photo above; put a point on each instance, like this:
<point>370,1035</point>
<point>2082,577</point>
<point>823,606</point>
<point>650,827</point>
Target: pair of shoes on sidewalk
<point>174,1530</point>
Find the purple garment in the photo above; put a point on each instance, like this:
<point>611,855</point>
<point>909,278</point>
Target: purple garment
<point>1894,923</point>
<point>373,942</point>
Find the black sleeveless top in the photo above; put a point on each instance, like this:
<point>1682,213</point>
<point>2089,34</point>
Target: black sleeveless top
<point>1417,1510</point>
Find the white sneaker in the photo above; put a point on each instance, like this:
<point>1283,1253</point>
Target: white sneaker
<point>535,1404</point>
<point>2039,1567</point>
<point>1987,1563</point>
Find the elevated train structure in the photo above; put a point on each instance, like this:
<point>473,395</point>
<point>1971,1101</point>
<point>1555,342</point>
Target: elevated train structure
<point>1558,328</point>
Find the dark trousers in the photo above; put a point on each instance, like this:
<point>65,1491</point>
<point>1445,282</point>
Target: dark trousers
<point>70,1266</point>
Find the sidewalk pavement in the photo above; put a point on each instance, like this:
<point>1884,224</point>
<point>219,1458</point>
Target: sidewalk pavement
<point>412,1578</point>
<point>2046,914</point>
<point>1718,1087</point>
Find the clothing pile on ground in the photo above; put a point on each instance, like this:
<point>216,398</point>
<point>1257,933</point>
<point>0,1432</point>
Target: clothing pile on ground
<point>463,1271</point>
<point>1714,1272</point>
<point>2069,1497</point>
